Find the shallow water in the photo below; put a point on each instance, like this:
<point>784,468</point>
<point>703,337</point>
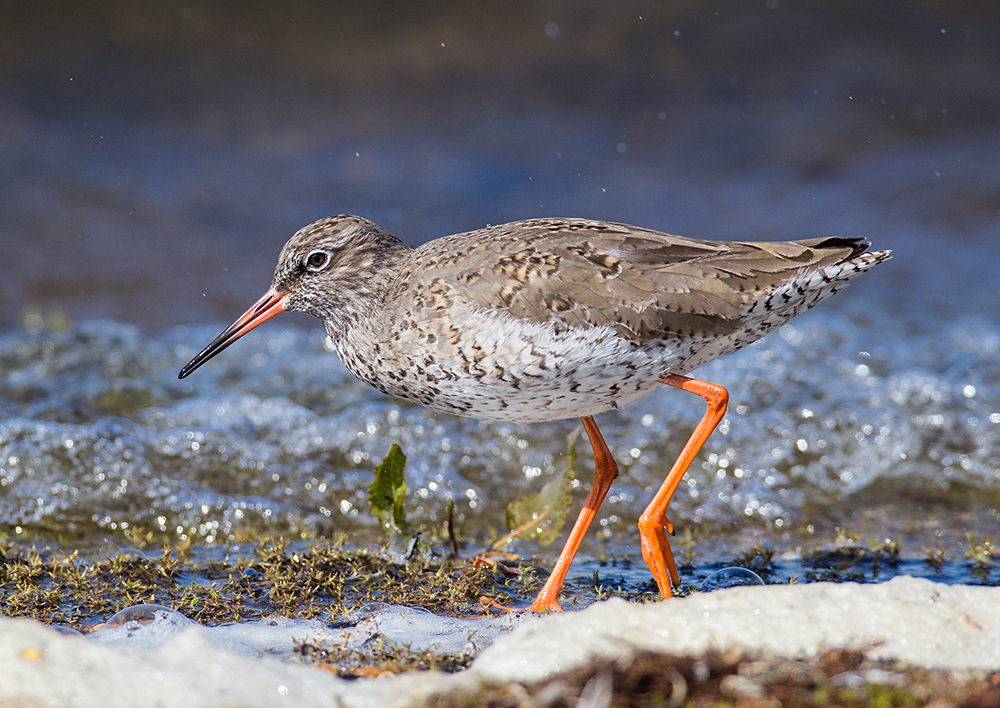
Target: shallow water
<point>898,439</point>
<point>878,411</point>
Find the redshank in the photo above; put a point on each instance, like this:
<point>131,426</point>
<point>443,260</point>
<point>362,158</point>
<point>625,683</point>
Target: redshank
<point>546,319</point>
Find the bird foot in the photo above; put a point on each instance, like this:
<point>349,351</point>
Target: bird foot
<point>657,553</point>
<point>545,604</point>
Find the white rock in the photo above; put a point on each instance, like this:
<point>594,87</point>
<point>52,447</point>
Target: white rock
<point>913,620</point>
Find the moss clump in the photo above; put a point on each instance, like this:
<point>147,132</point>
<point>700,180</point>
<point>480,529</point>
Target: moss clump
<point>274,577</point>
<point>381,657</point>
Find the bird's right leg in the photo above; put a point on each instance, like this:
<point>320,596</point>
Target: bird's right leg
<point>653,523</point>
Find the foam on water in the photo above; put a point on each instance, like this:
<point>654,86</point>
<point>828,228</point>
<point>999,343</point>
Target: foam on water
<point>148,627</point>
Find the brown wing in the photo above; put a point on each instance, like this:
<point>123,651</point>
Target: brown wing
<point>647,285</point>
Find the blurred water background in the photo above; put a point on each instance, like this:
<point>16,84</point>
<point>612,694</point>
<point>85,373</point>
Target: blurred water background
<point>155,157</point>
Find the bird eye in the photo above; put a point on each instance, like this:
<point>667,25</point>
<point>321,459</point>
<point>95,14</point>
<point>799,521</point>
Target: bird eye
<point>317,260</point>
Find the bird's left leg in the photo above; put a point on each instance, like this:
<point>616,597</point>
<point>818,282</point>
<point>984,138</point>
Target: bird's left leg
<point>605,471</point>
<point>653,523</point>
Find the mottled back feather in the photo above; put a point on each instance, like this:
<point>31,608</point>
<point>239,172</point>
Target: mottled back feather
<point>576,273</point>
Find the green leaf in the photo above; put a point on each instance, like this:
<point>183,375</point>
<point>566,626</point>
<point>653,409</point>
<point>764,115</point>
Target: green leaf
<point>541,516</point>
<point>386,494</point>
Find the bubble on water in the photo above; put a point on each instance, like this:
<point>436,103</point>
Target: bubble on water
<point>730,578</point>
<point>142,626</point>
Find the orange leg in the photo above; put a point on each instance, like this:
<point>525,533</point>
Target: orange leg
<point>605,471</point>
<point>653,522</point>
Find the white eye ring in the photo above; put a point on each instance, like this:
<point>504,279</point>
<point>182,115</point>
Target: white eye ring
<point>317,260</point>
